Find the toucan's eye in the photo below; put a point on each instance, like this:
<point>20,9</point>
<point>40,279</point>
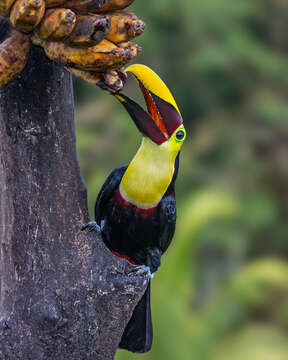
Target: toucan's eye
<point>180,135</point>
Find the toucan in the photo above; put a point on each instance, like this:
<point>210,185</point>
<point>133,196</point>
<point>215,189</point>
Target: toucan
<point>135,210</point>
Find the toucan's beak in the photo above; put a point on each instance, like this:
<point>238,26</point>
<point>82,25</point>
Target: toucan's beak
<point>163,116</point>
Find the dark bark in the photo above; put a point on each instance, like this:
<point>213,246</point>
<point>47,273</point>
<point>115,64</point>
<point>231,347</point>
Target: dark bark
<point>63,294</point>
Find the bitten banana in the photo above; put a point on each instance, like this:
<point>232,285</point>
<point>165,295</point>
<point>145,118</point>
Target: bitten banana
<point>13,56</point>
<point>27,14</point>
<point>89,30</point>
<point>56,24</point>
<point>113,80</point>
<point>124,26</point>
<point>115,5</point>
<point>100,58</point>
<point>5,6</point>
<point>85,6</point>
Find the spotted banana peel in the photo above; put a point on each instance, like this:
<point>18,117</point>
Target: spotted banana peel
<point>124,26</point>
<point>101,57</point>
<point>13,56</point>
<point>91,38</point>
<point>27,14</point>
<point>134,48</point>
<point>5,6</point>
<point>94,6</point>
<point>89,30</point>
<point>57,24</point>
<point>54,3</point>
<point>115,5</point>
<point>85,6</point>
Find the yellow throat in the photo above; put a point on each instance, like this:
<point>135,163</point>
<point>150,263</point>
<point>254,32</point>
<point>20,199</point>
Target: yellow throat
<point>150,172</point>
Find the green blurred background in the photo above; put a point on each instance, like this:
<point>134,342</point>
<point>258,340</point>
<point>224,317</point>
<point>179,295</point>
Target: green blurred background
<point>222,290</point>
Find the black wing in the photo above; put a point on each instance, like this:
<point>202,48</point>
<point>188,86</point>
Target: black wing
<point>107,190</point>
<point>167,221</point>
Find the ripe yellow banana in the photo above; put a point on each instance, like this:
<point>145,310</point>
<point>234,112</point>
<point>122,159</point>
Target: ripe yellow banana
<point>5,6</point>
<point>115,5</point>
<point>56,24</point>
<point>85,6</point>
<point>26,14</point>
<point>89,30</point>
<point>13,56</point>
<point>124,26</point>
<point>100,58</point>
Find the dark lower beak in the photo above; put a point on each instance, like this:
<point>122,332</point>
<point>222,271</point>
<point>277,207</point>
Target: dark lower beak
<point>144,121</point>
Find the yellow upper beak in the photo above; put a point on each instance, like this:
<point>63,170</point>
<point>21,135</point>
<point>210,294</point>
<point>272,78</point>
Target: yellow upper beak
<point>153,83</point>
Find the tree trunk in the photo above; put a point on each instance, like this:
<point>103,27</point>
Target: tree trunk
<point>63,294</point>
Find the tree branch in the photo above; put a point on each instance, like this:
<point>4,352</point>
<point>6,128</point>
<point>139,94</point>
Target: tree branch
<point>63,294</point>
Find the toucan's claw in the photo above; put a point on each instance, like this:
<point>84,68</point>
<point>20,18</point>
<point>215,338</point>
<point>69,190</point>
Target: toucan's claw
<point>144,270</point>
<point>92,226</point>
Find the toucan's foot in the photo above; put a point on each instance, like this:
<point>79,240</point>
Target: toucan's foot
<point>91,226</point>
<point>143,270</point>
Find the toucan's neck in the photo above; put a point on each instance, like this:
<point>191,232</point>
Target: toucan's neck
<point>149,174</point>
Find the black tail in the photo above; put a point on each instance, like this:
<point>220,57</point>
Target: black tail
<point>138,334</point>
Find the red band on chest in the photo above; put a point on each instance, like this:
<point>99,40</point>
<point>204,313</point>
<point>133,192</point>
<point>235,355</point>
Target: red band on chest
<point>145,213</point>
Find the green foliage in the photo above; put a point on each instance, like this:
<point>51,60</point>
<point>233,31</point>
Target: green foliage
<point>221,291</point>
<point>254,342</point>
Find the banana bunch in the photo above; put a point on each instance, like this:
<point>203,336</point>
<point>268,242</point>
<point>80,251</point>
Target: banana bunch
<point>90,38</point>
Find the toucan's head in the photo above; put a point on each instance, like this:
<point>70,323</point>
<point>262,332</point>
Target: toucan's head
<point>163,122</point>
